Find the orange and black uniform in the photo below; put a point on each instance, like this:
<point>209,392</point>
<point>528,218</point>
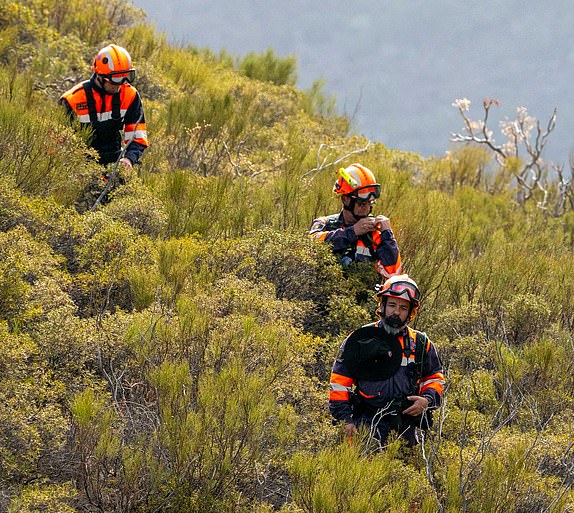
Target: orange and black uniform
<point>380,247</point>
<point>356,400</point>
<point>109,115</point>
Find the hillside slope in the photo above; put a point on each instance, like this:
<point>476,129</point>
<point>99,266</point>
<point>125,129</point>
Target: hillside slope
<point>170,350</point>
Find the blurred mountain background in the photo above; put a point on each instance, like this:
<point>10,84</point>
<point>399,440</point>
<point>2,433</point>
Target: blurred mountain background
<point>396,67</point>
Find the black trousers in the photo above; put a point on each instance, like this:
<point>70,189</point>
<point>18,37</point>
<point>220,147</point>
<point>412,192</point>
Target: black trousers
<point>381,423</point>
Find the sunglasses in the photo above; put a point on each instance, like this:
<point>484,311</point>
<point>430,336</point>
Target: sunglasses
<point>120,77</point>
<point>400,288</point>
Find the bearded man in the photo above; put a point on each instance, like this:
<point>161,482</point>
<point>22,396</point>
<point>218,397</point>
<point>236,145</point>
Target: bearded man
<point>388,376</point>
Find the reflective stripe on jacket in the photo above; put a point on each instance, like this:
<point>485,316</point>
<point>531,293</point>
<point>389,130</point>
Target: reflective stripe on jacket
<point>379,247</point>
<point>378,394</point>
<point>112,114</point>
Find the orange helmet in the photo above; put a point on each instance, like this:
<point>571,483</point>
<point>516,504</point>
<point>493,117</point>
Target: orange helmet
<point>114,63</point>
<point>357,181</point>
<point>401,286</point>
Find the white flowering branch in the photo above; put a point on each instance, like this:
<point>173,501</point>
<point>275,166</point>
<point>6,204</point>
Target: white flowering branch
<point>518,133</point>
<point>474,128</point>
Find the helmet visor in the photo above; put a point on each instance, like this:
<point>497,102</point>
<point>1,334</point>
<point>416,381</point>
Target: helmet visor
<point>367,192</point>
<point>120,77</point>
<point>403,289</point>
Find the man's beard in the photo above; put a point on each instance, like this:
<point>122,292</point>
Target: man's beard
<point>393,324</point>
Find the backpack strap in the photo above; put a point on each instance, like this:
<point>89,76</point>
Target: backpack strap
<point>421,340</point>
<point>367,240</point>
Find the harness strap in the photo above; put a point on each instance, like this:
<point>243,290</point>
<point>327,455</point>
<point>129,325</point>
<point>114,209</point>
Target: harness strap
<point>92,111</point>
<point>367,240</point>
<point>91,102</point>
<point>116,116</point>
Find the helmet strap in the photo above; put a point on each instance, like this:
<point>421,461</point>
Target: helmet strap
<point>351,206</point>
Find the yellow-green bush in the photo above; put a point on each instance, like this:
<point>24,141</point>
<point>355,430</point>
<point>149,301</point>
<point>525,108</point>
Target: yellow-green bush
<point>33,423</point>
<point>171,351</point>
<point>49,498</point>
<point>269,67</point>
<point>343,480</point>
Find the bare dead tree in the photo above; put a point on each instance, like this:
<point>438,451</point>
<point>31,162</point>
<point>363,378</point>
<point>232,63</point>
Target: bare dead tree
<point>565,192</point>
<point>526,140</point>
<point>235,164</point>
<point>323,162</point>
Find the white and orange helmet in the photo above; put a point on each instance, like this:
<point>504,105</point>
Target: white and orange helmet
<point>114,63</point>
<point>357,181</point>
<point>402,286</point>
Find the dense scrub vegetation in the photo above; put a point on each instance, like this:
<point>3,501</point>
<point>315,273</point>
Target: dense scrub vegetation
<point>170,351</point>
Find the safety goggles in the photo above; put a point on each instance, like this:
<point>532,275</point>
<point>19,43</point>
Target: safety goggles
<point>401,289</point>
<point>120,77</point>
<point>367,192</point>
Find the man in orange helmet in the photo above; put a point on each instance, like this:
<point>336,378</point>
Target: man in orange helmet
<point>354,234</point>
<point>109,104</point>
<point>387,376</point>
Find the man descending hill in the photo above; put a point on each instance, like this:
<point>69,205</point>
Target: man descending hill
<point>109,104</point>
<point>354,234</point>
<point>388,376</point>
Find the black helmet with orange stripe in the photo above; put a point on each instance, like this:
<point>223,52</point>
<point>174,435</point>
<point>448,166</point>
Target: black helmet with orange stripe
<point>114,63</point>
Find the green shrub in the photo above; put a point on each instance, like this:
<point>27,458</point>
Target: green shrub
<point>467,353</point>
<point>101,21</point>
<point>526,318</point>
<point>269,67</point>
<point>45,497</point>
<point>97,446</point>
<point>38,153</point>
<point>33,424</point>
<point>107,259</point>
<point>465,166</point>
<point>500,475</point>
<point>315,101</point>
<point>135,205</point>
<point>342,480</point>
<point>26,267</point>
<point>465,321</point>
<point>475,391</point>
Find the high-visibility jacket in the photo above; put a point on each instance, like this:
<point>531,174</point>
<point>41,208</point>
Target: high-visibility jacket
<point>379,394</point>
<point>109,114</point>
<point>380,247</point>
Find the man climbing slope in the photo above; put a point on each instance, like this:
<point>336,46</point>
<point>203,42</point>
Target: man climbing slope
<point>109,104</point>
